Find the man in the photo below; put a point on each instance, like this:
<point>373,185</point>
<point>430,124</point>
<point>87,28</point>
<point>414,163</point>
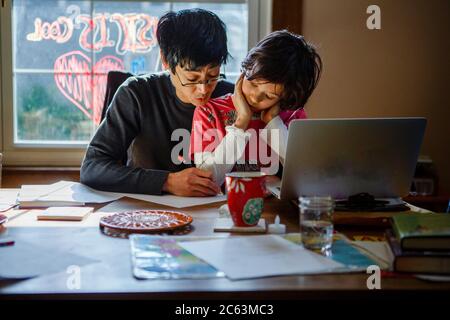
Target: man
<point>146,110</point>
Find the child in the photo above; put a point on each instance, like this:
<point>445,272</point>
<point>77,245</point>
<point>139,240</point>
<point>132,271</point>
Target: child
<point>279,75</point>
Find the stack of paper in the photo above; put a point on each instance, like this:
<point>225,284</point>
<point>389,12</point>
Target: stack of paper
<point>61,194</point>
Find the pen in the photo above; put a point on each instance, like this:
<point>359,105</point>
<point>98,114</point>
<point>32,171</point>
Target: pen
<point>6,243</point>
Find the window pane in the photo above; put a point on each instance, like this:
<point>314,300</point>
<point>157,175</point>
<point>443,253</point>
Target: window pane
<point>44,115</point>
<point>63,51</point>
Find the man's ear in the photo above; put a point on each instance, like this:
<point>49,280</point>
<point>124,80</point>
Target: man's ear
<point>164,63</point>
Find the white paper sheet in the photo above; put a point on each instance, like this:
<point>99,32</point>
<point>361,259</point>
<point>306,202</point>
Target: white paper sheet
<point>82,193</point>
<point>8,198</point>
<point>26,260</point>
<point>68,191</point>
<point>259,256</point>
<point>176,201</point>
<point>36,191</point>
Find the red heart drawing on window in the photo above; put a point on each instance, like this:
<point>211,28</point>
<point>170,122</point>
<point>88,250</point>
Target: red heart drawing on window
<point>82,84</point>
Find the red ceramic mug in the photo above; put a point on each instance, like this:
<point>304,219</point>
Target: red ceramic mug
<point>245,197</point>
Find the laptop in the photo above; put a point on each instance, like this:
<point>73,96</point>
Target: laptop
<point>345,157</point>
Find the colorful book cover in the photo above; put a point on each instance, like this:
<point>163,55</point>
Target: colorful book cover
<point>159,257</point>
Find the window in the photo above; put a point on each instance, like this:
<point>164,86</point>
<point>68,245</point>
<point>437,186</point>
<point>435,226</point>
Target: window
<point>57,54</point>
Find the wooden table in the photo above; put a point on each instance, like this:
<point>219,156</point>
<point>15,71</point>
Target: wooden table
<point>111,276</point>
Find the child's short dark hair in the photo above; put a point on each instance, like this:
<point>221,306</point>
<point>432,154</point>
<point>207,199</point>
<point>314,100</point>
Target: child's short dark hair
<point>285,58</point>
<point>192,38</point>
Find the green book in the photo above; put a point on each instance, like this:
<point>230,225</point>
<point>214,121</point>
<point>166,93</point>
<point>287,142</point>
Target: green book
<point>423,232</point>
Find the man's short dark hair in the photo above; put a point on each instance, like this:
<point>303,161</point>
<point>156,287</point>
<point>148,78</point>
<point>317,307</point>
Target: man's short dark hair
<point>192,38</point>
<point>285,58</point>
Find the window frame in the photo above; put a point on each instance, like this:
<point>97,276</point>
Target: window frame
<point>71,154</point>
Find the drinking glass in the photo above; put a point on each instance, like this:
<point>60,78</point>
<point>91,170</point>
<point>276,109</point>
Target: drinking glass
<point>316,225</point>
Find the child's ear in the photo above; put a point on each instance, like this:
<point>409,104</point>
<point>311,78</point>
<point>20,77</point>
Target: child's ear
<point>164,63</point>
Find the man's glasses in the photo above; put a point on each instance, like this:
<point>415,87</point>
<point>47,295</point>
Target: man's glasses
<point>205,82</point>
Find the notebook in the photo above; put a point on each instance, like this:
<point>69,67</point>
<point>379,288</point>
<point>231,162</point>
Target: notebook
<point>65,213</point>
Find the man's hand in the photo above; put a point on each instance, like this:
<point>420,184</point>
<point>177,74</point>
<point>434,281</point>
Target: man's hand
<point>244,114</point>
<point>191,182</point>
<point>268,114</point>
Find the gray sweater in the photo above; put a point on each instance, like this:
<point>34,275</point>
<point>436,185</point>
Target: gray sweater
<point>139,122</point>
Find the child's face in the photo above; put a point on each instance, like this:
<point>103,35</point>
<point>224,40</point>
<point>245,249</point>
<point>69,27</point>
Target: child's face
<point>260,94</point>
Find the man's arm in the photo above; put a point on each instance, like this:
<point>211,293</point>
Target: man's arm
<point>102,166</point>
<point>104,169</point>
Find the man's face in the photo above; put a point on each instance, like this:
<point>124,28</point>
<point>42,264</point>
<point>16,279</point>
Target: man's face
<point>195,86</point>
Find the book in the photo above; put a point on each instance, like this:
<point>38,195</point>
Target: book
<point>423,262</point>
<point>421,231</point>
<point>65,213</point>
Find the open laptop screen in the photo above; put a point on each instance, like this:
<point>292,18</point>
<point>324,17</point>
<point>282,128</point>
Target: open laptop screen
<point>343,157</point>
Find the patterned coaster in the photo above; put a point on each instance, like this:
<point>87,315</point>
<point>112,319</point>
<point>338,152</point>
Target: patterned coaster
<point>227,225</point>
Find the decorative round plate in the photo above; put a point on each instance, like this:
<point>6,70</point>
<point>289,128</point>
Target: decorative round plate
<point>142,221</point>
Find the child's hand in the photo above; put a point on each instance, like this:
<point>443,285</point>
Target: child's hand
<point>244,114</point>
<point>268,114</point>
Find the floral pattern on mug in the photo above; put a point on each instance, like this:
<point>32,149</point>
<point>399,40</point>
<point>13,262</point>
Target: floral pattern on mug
<point>252,211</point>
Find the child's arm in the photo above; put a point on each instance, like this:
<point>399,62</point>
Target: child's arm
<point>213,147</point>
<point>277,144</point>
<point>222,160</point>
<point>277,123</point>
